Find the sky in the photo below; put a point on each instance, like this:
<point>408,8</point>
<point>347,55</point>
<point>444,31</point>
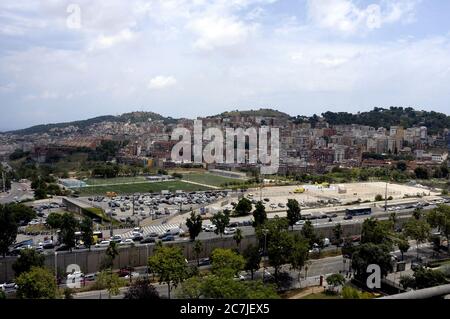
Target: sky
<point>68,60</point>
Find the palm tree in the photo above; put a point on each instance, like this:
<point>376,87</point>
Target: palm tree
<point>112,252</point>
<point>198,247</point>
<point>238,238</point>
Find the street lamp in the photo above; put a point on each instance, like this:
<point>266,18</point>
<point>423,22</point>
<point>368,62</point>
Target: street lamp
<point>146,259</point>
<point>56,266</point>
<point>265,231</point>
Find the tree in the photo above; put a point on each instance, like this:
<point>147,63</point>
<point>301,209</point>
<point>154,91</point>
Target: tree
<point>279,251</point>
<point>226,263</point>
<point>252,259</point>
<point>2,295</point>
<point>221,221</point>
<point>198,247</point>
<point>191,288</point>
<point>402,166</point>
<point>111,253</point>
<point>423,278</point>
<point>87,232</point>
<point>243,207</point>
<point>22,213</point>
<point>238,237</point>
<point>417,213</point>
<point>141,289</point>
<point>293,212</point>
<point>403,245</point>
<point>68,227</point>
<point>419,230</point>
<point>194,224</point>
<point>259,214</point>
<point>38,283</point>
<point>337,233</point>
<point>440,217</point>
<point>393,219</point>
<point>370,253</point>
<point>109,281</point>
<point>376,232</point>
<point>378,198</point>
<point>335,280</point>
<point>299,254</point>
<point>217,287</point>
<point>54,220</point>
<point>308,232</point>
<point>28,259</point>
<point>421,173</point>
<point>169,264</point>
<point>8,229</point>
<point>40,193</point>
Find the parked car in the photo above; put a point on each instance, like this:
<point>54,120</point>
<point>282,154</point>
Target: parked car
<point>116,238</point>
<point>127,241</point>
<point>90,277</point>
<point>300,222</point>
<point>102,244</point>
<point>168,238</point>
<point>204,262</point>
<point>229,231</point>
<point>148,240</point>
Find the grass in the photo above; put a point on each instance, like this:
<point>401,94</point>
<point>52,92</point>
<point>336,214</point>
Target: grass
<point>210,179</point>
<point>326,253</point>
<point>322,295</point>
<point>146,187</point>
<point>71,162</point>
<point>115,180</point>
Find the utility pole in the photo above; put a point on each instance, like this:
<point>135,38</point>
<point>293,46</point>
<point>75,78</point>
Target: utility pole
<point>4,182</point>
<point>386,190</point>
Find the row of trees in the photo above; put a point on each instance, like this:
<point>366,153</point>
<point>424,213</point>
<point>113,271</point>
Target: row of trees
<point>169,265</point>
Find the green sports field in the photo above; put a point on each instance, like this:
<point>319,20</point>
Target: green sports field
<point>146,187</point>
<point>210,179</point>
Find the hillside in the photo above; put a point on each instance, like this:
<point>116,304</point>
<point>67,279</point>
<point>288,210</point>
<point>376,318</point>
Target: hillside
<point>260,112</point>
<point>133,117</point>
<point>44,128</point>
<point>380,117</point>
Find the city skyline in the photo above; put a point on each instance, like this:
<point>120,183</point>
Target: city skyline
<point>191,58</point>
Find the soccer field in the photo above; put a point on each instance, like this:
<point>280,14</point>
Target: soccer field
<point>210,179</point>
<point>115,180</point>
<point>146,187</point>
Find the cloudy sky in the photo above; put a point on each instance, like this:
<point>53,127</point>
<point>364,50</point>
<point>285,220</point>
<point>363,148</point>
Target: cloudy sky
<point>66,60</point>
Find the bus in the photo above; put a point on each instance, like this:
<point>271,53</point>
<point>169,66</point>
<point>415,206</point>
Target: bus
<point>358,211</point>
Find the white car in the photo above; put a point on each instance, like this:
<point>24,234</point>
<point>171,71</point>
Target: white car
<point>210,228</point>
<point>103,243</point>
<point>127,241</point>
<point>229,231</point>
<point>300,222</point>
<point>273,205</point>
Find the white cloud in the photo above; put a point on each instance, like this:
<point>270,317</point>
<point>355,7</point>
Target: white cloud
<point>346,17</point>
<point>217,32</point>
<point>161,82</point>
<point>105,42</point>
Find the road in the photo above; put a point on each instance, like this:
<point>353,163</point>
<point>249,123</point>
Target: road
<point>310,277</point>
<point>18,192</point>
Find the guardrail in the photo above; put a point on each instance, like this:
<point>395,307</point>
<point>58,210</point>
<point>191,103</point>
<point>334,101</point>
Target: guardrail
<point>426,293</point>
